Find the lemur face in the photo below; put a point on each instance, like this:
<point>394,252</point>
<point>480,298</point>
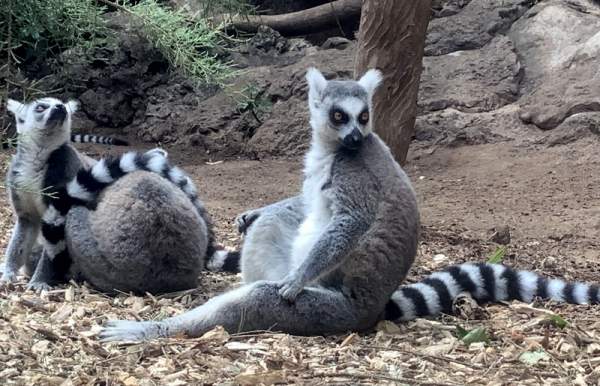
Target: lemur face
<point>341,110</point>
<point>45,117</point>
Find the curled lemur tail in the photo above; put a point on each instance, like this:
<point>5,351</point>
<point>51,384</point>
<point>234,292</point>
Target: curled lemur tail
<point>85,138</point>
<point>485,282</point>
<point>85,187</point>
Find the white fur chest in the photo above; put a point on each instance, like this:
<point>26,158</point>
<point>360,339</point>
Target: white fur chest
<point>317,172</point>
<point>26,180</point>
<point>317,205</point>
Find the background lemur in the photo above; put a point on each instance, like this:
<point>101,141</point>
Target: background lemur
<point>346,253</point>
<point>46,162</point>
<point>44,159</point>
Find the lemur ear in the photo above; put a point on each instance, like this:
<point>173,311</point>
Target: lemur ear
<point>316,84</point>
<point>370,80</point>
<point>72,106</point>
<point>14,107</point>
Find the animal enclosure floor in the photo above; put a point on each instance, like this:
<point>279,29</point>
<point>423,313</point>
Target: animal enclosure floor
<point>547,197</point>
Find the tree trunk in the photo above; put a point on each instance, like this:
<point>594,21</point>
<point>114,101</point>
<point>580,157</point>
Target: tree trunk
<point>302,22</point>
<point>392,39</point>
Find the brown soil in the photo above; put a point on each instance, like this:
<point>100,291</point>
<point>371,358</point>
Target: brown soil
<point>547,196</point>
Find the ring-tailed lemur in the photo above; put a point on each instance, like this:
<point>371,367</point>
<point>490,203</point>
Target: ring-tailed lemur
<point>48,176</point>
<point>144,235</point>
<point>44,159</point>
<point>350,278</point>
<point>352,246</point>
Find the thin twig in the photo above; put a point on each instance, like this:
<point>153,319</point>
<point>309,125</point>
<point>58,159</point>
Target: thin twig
<point>446,359</point>
<point>115,6</point>
<point>33,305</point>
<point>383,378</point>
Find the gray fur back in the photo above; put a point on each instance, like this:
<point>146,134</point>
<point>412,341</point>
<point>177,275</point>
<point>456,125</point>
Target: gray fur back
<point>145,235</point>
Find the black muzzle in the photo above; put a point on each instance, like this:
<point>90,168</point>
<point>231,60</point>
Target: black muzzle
<point>353,140</point>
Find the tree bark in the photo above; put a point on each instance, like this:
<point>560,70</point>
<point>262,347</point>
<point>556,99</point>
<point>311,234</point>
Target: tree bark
<point>302,22</point>
<point>392,39</point>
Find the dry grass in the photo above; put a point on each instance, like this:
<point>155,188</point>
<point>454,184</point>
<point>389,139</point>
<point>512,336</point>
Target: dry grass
<point>51,340</point>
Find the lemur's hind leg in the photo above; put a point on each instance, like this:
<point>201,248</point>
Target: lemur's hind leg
<point>268,242</point>
<point>256,306</point>
<point>19,248</point>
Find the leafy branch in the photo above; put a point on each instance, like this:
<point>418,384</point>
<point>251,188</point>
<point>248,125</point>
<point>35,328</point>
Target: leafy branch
<point>185,43</point>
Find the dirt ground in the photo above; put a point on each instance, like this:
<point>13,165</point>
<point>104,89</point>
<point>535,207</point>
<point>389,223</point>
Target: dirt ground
<point>547,196</point>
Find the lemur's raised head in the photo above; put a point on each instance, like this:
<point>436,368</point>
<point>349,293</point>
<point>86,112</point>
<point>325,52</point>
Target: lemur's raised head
<point>340,109</point>
<point>46,118</point>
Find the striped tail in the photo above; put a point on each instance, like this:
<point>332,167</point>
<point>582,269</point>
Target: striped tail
<point>85,187</point>
<point>224,261</point>
<point>99,139</point>
<point>486,283</point>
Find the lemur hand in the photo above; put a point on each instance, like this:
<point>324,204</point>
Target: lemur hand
<point>244,220</point>
<point>291,286</point>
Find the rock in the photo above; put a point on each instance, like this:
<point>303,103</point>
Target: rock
<point>471,81</point>
<point>559,44</point>
<point>501,235</point>
<point>474,26</point>
<point>107,107</point>
<point>451,127</point>
<point>267,39</point>
<point>118,77</point>
<point>445,8</point>
<point>286,132</point>
<point>336,42</point>
<point>574,128</point>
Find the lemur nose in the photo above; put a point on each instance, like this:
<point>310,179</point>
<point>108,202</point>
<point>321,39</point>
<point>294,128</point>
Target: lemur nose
<point>58,113</point>
<point>353,140</point>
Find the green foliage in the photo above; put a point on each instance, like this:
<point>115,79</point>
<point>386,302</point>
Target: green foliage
<point>558,321</point>
<point>497,256</point>
<point>209,8</point>
<point>34,29</point>
<point>185,43</point>
<point>252,99</point>
<point>472,336</point>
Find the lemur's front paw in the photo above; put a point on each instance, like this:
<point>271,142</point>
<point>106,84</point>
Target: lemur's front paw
<point>244,220</point>
<point>38,286</point>
<point>291,286</point>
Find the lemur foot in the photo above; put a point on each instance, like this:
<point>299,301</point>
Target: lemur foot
<point>126,330</point>
<point>8,277</point>
<point>291,286</point>
<point>244,220</point>
<point>38,286</point>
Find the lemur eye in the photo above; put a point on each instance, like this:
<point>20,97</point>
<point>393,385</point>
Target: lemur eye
<point>20,120</point>
<point>338,116</point>
<point>40,108</point>
<point>363,118</point>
